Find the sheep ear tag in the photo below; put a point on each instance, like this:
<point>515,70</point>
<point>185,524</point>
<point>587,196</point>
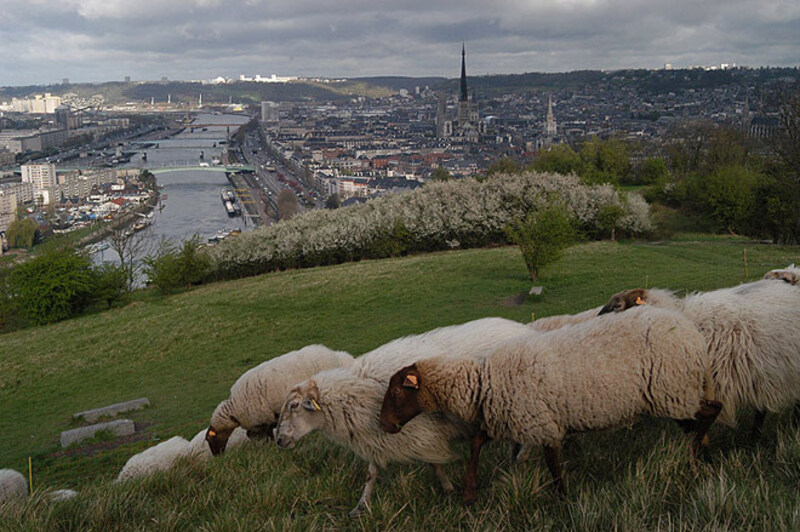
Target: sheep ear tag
<point>312,405</point>
<point>640,301</point>
<point>411,382</point>
<point>211,433</point>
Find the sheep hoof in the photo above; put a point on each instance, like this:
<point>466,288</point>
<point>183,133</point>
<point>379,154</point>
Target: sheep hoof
<point>357,512</point>
<point>469,498</point>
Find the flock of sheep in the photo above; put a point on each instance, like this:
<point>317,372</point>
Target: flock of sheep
<point>645,353</point>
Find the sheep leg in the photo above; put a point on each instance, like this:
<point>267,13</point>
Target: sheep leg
<point>515,450</point>
<point>709,410</point>
<point>447,486</point>
<point>758,423</point>
<point>552,455</point>
<point>471,480</point>
<point>363,502</point>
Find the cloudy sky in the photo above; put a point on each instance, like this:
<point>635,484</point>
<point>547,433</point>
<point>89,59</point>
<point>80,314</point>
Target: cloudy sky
<point>43,41</point>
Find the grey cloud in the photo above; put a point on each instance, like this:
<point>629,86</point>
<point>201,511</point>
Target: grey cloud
<point>192,39</point>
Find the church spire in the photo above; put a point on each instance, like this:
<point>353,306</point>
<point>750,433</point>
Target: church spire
<point>464,95</point>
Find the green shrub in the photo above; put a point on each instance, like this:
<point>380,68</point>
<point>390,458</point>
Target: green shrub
<point>542,235</point>
<point>52,286</point>
<point>110,283</point>
<point>22,233</point>
<point>174,269</point>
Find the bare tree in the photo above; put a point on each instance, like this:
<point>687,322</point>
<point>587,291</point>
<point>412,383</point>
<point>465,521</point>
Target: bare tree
<point>787,147</point>
<point>131,246</point>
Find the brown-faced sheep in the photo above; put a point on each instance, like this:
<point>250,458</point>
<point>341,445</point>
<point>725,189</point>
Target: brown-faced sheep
<point>752,337</point>
<point>535,389</point>
<point>345,403</point>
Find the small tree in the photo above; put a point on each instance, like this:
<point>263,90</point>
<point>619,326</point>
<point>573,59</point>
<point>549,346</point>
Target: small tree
<point>653,170</point>
<point>333,202</point>
<point>175,269</point>
<point>608,216</point>
<point>559,159</point>
<point>729,195</point>
<point>52,286</point>
<point>110,282</point>
<point>22,233</point>
<point>441,173</point>
<point>506,165</point>
<point>542,236</point>
<point>130,246</point>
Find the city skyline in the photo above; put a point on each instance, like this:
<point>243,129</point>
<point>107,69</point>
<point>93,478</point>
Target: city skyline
<point>98,40</point>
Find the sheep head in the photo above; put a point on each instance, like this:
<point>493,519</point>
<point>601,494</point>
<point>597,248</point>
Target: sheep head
<point>222,424</point>
<point>301,413</point>
<point>218,439</point>
<point>402,401</point>
<point>790,274</point>
<point>624,300</point>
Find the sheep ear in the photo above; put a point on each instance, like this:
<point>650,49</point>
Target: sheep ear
<point>311,405</point>
<point>411,381</point>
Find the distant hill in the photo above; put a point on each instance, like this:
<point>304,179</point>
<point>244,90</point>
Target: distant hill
<point>655,81</point>
<point>401,82</point>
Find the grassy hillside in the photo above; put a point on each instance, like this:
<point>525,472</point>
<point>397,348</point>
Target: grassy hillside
<point>184,352</point>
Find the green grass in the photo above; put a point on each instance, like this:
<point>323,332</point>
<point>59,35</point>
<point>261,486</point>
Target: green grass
<point>183,353</point>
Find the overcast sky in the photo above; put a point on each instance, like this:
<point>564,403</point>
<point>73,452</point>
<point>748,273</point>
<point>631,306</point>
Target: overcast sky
<point>43,41</point>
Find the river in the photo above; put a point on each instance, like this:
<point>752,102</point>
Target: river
<point>190,199</point>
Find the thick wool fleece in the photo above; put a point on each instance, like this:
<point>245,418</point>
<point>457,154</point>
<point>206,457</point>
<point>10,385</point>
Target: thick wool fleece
<point>753,337</point>
<point>157,458</point>
<point>551,323</point>
<point>257,396</point>
<point>12,484</point>
<point>475,338</point>
<point>597,374</point>
<point>351,407</point>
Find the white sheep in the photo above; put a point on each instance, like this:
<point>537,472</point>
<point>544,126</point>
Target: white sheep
<point>535,389</point>
<point>790,274</point>
<point>12,484</point>
<point>752,337</point>
<point>551,323</point>
<point>344,403</point>
<point>257,396</point>
<point>156,458</point>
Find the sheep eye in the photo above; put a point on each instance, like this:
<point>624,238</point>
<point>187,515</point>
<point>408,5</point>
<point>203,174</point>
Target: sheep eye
<point>293,406</point>
<point>395,392</point>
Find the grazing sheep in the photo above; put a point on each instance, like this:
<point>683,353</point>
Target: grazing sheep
<point>12,484</point>
<point>535,389</point>
<point>257,396</point>
<point>551,323</point>
<point>752,338</point>
<point>344,403</point>
<point>790,274</point>
<point>157,458</point>
<point>198,447</point>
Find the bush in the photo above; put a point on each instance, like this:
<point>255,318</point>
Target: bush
<point>22,233</point>
<point>110,283</point>
<point>175,269</point>
<point>52,286</point>
<point>542,235</point>
<point>444,215</point>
